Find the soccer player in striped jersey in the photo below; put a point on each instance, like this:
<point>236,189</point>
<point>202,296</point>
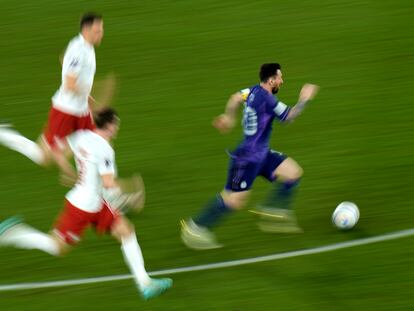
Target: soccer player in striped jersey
<point>253,157</point>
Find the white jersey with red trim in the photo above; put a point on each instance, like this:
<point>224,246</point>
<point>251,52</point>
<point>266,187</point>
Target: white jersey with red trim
<point>79,61</point>
<point>94,157</point>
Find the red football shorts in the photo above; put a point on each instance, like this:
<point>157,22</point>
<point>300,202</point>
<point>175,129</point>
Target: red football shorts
<point>61,124</point>
<point>72,222</point>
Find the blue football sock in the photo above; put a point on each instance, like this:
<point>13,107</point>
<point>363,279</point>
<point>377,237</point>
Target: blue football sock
<point>281,196</point>
<point>213,211</point>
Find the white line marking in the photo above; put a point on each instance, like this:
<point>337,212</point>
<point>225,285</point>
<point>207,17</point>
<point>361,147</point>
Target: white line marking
<point>225,264</point>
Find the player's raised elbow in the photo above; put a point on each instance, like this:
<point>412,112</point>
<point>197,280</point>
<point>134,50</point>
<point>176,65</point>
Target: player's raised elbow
<point>236,98</point>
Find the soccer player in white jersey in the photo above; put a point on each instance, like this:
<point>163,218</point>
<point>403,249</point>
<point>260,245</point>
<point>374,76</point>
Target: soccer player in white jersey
<point>70,104</point>
<point>85,206</point>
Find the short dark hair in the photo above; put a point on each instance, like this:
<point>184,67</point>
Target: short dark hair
<point>105,116</point>
<point>89,18</point>
<point>268,70</point>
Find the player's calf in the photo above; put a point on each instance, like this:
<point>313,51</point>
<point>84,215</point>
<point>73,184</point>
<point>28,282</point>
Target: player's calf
<point>149,288</point>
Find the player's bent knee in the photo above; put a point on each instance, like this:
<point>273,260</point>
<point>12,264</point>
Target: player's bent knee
<point>294,172</point>
<point>297,173</point>
<point>122,228</point>
<point>235,200</point>
<point>236,204</point>
<point>47,153</point>
<point>62,247</point>
<point>63,250</point>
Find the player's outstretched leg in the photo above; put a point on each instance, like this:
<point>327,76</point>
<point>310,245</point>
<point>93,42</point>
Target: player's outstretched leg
<point>196,234</point>
<point>14,233</point>
<point>17,142</point>
<point>8,224</point>
<point>276,213</point>
<point>197,237</point>
<point>149,288</point>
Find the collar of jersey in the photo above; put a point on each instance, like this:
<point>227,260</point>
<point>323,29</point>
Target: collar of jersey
<point>86,43</point>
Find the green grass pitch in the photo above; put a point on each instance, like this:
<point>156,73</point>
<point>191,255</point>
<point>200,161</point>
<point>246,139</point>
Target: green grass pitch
<point>177,63</point>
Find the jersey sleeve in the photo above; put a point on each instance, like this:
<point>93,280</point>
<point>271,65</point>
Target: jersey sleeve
<point>106,162</point>
<point>72,61</point>
<point>279,109</point>
<point>245,93</point>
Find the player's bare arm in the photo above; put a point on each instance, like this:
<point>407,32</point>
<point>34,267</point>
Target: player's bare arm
<point>124,195</point>
<point>103,91</point>
<point>71,84</point>
<point>307,93</point>
<point>225,122</point>
<point>67,169</point>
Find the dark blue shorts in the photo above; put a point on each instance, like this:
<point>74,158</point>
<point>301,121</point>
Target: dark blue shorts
<point>242,174</point>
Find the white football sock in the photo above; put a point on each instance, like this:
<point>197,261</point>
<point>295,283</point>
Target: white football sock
<point>133,257</point>
<point>17,142</point>
<point>26,237</point>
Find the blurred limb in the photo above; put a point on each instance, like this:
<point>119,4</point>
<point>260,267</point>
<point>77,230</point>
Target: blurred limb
<point>103,92</point>
<point>70,83</point>
<point>128,195</point>
<point>15,233</point>
<point>133,190</point>
<point>67,180</point>
<point>235,200</point>
<point>307,93</point>
<point>60,156</point>
<point>65,167</point>
<point>225,122</point>
<point>13,140</point>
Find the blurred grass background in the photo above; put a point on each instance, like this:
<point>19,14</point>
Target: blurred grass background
<point>177,63</point>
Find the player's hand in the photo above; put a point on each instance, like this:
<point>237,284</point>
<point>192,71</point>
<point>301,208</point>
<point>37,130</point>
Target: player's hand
<point>104,91</point>
<point>308,92</point>
<point>137,198</point>
<point>223,123</point>
<point>133,190</point>
<point>135,201</point>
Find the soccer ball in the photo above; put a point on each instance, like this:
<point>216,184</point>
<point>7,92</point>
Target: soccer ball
<point>345,216</point>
